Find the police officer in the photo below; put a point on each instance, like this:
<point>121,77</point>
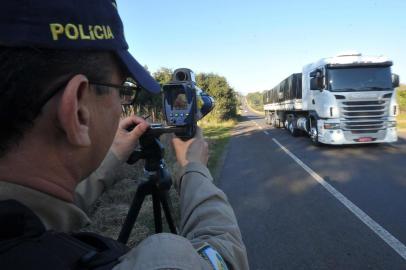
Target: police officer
<point>62,68</point>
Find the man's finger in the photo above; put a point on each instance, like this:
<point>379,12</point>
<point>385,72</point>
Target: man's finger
<point>131,121</point>
<point>139,129</point>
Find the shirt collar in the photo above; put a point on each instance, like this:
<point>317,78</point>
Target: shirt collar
<point>54,213</point>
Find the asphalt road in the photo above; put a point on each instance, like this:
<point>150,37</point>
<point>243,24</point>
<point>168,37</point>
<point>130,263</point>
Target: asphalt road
<point>290,221</point>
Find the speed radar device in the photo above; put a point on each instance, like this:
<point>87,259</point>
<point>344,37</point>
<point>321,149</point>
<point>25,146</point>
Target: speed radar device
<point>184,103</point>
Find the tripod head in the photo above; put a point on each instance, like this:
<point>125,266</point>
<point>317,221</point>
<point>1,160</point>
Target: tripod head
<point>158,184</point>
<point>152,151</point>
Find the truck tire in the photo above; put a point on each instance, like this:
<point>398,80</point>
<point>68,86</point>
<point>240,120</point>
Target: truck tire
<point>267,119</point>
<point>273,121</point>
<point>276,122</point>
<point>286,124</point>
<point>292,129</point>
<point>314,135</point>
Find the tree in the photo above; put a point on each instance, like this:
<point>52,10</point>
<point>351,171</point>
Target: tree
<point>225,96</point>
<point>255,100</point>
<point>163,75</point>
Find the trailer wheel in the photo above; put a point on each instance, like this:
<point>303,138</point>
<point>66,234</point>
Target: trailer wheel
<point>277,123</point>
<point>292,129</point>
<point>286,124</point>
<point>271,120</point>
<point>267,119</point>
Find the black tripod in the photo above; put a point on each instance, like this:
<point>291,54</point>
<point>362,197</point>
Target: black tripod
<point>158,183</point>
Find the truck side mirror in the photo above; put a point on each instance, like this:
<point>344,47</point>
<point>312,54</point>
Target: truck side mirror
<point>316,84</point>
<point>317,73</point>
<point>395,80</point>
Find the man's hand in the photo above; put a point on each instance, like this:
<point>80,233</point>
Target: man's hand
<point>193,150</point>
<point>125,141</point>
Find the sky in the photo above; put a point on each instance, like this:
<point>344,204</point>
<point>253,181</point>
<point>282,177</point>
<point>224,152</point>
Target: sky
<point>255,44</point>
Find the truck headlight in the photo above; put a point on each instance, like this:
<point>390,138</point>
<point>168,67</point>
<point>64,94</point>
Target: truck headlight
<point>331,125</point>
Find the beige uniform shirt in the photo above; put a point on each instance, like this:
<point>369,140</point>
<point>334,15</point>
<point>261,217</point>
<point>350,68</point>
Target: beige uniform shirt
<point>206,218</point>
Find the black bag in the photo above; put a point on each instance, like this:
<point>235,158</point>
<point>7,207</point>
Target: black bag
<point>26,244</point>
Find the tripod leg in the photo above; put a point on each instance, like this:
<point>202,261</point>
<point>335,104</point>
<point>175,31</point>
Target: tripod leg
<point>163,196</point>
<point>132,214</point>
<point>157,211</point>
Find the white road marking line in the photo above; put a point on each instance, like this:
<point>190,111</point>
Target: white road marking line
<point>394,243</point>
<point>266,132</point>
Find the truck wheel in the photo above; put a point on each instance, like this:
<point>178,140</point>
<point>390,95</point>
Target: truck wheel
<point>292,129</point>
<point>272,121</point>
<point>278,123</point>
<point>286,124</point>
<point>267,119</point>
<point>314,136</point>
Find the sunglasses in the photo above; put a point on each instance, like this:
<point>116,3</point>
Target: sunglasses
<point>128,91</point>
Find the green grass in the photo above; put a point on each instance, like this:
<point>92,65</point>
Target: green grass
<point>217,134</point>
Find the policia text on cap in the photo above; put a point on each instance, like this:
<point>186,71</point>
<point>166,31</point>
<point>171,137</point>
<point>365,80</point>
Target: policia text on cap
<point>62,68</point>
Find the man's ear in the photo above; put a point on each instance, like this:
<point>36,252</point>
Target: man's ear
<point>74,111</point>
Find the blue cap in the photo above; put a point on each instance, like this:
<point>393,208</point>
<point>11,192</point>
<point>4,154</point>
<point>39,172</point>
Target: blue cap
<point>70,24</point>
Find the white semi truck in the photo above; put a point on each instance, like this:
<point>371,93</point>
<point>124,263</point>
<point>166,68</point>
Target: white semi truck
<point>346,99</point>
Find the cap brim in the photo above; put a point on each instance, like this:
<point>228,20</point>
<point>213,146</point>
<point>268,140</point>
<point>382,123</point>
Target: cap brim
<point>138,72</point>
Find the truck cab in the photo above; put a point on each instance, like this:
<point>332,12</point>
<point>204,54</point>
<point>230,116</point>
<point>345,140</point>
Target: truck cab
<point>353,98</point>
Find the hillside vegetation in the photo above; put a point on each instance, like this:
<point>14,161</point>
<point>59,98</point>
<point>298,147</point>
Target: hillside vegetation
<point>255,101</point>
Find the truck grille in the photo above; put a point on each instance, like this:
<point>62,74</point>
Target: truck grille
<point>364,116</point>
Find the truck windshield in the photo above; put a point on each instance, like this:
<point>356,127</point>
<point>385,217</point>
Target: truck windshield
<point>359,79</point>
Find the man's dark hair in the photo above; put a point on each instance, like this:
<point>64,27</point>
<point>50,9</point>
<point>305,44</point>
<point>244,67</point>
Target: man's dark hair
<point>27,75</point>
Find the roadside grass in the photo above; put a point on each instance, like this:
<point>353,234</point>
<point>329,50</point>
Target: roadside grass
<point>217,134</point>
<point>259,111</point>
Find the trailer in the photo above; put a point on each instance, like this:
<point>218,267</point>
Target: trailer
<point>346,99</point>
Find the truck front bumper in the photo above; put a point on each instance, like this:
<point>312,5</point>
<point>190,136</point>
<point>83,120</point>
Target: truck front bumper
<point>338,136</point>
